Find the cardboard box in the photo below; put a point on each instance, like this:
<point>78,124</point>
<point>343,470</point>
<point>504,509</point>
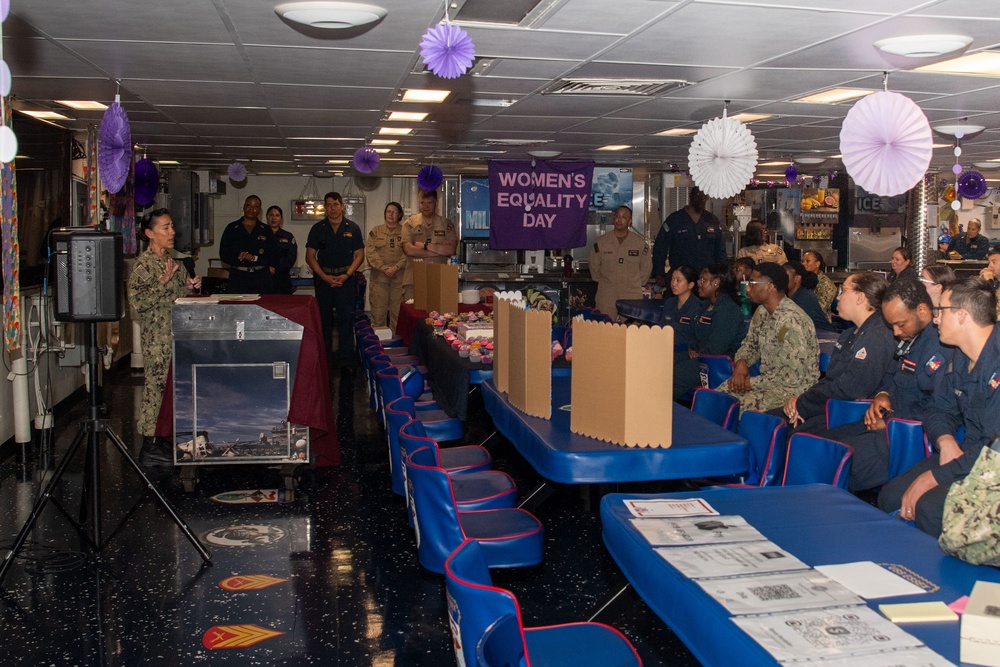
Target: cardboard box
<point>501,338</point>
<point>981,626</point>
<point>623,383</point>
<point>435,287</point>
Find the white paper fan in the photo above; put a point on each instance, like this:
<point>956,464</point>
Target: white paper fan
<point>722,157</point>
<point>886,143</point>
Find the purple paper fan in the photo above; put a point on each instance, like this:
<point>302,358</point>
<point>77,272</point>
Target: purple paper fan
<point>114,148</point>
<point>366,160</point>
<point>429,178</point>
<point>971,185</point>
<point>447,50</point>
<point>237,172</point>
<point>147,182</point>
<point>791,173</point>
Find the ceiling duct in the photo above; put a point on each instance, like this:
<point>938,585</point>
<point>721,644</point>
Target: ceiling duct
<point>643,87</point>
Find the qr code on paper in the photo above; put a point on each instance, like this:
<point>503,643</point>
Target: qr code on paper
<point>841,631</point>
<point>776,592</point>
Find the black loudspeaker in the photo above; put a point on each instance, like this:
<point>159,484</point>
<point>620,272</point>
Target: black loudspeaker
<point>88,275</point>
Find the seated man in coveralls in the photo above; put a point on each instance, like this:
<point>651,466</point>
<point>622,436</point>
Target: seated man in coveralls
<point>966,395</point>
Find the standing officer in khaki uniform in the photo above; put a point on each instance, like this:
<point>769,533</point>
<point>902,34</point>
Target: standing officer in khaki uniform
<point>427,237</point>
<point>620,263</point>
<point>384,251</point>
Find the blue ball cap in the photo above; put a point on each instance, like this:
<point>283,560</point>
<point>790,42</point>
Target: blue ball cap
<point>944,238</point>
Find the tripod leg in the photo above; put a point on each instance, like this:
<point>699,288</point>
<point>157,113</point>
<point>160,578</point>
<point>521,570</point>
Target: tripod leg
<point>192,538</point>
<point>43,499</point>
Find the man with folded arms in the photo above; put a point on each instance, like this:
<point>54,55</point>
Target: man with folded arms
<point>966,395</point>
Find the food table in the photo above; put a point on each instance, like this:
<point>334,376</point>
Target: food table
<point>310,403</point>
<point>700,448</point>
<point>409,316</point>
<point>818,524</point>
<point>449,374</point>
<point>645,310</point>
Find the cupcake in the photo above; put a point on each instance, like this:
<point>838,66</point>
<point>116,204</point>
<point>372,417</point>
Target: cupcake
<point>487,359</point>
<point>463,351</point>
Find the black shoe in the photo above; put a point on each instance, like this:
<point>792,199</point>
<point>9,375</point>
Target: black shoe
<point>155,453</point>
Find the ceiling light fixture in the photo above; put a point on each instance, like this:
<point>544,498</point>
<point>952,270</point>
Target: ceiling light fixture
<point>384,142</point>
<point>82,105</point>
<point>923,46</point>
<point>835,95</point>
<point>395,130</point>
<point>46,115</point>
<point>750,117</point>
<point>958,130</point>
<point>774,163</point>
<point>677,132</point>
<point>987,165</point>
<point>425,95</point>
<point>984,63</point>
<point>614,147</point>
<point>544,155</point>
<point>809,159</point>
<point>330,15</point>
<point>407,116</point>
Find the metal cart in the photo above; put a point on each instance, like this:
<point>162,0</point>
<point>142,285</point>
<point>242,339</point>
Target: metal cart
<point>234,369</point>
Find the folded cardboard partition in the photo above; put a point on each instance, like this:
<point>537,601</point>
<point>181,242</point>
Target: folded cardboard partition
<point>529,362</point>
<point>623,383</point>
<point>503,302</point>
<point>435,287</point>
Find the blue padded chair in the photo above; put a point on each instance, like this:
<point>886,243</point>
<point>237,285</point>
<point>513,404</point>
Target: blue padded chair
<point>824,361</point>
<point>436,422</point>
<point>908,445</point>
<point>717,368</point>
<point>509,537</point>
<point>398,413</point>
<point>815,460</point>
<point>486,626</point>
<point>479,490</point>
<point>839,412</point>
<point>723,409</point>
<point>768,438</point>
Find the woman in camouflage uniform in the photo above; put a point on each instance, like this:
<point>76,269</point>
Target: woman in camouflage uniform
<point>156,280</point>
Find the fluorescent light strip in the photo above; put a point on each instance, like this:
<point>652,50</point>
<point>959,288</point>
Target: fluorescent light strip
<point>834,96</point>
<point>614,147</point>
<point>750,117</point>
<point>46,115</point>
<point>676,132</point>
<point>384,142</point>
<point>426,95</point>
<point>407,116</point>
<point>401,131</point>
<point>982,63</point>
<point>82,105</point>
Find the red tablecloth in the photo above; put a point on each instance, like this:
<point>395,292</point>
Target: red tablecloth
<point>311,403</point>
<point>409,316</point>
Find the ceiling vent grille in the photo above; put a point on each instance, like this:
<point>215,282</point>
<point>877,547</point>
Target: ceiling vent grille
<point>643,87</point>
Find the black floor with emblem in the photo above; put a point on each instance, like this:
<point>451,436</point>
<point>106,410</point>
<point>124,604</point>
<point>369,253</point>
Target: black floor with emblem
<point>330,578</point>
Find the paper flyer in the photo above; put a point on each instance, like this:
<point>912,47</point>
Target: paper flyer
<point>769,593</point>
<point>826,633</point>
<point>870,580</point>
<point>660,507</point>
<point>722,560</point>
<point>914,657</point>
<point>696,530</point>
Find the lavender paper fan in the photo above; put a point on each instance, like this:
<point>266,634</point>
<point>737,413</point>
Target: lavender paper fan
<point>237,172</point>
<point>886,143</point>
<point>114,148</point>
<point>366,160</point>
<point>447,50</point>
<point>722,157</point>
<point>429,178</point>
<point>147,182</point>
<point>971,185</point>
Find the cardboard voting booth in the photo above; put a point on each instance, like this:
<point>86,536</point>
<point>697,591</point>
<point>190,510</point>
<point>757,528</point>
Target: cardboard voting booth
<point>622,385</point>
<point>435,287</point>
<point>522,360</point>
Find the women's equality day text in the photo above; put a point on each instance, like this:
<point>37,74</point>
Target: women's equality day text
<point>547,191</point>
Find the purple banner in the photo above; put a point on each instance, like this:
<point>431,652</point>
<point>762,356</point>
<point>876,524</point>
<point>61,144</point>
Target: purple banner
<point>540,206</point>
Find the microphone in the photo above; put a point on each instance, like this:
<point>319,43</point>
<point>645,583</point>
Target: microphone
<point>188,263</point>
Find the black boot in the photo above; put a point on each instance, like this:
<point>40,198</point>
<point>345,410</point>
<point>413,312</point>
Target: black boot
<point>155,453</point>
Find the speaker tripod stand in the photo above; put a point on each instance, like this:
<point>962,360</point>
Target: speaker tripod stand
<point>91,430</point>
